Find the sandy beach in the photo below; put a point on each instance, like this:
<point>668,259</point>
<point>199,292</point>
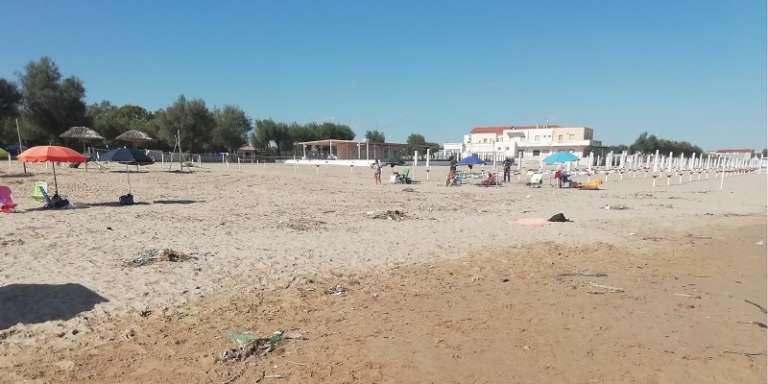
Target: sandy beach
<point>452,290</point>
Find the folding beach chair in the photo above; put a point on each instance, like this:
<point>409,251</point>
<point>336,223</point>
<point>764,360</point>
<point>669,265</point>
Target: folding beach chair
<point>40,192</point>
<point>535,180</point>
<point>405,177</point>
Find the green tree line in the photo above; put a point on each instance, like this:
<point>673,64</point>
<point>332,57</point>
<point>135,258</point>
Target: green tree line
<point>646,143</point>
<point>46,104</point>
<point>280,137</point>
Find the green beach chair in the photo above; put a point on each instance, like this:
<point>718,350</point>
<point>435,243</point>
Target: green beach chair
<point>40,191</point>
<point>405,177</point>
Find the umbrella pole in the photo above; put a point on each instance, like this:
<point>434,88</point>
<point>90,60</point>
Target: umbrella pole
<point>128,175</point>
<point>55,182</point>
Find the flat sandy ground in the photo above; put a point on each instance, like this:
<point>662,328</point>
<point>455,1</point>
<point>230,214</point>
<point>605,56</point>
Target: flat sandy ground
<point>455,292</point>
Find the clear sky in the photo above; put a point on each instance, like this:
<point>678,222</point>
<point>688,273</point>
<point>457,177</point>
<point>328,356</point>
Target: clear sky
<point>688,70</point>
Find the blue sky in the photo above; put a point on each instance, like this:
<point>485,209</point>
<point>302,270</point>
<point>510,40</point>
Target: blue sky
<point>686,70</point>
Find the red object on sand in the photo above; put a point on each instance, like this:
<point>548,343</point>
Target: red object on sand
<point>6,203</point>
<point>53,153</point>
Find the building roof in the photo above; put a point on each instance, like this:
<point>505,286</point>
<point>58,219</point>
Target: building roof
<point>328,142</point>
<point>735,150</point>
<point>247,148</point>
<point>498,130</point>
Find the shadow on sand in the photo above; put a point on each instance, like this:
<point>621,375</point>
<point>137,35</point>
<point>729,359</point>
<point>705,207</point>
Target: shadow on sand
<point>17,175</point>
<point>177,201</point>
<point>114,204</point>
<point>38,303</point>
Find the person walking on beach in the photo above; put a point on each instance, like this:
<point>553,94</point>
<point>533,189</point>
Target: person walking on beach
<point>376,172</point>
<point>507,167</point>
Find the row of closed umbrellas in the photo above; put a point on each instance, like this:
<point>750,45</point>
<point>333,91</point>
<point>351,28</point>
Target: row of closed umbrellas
<point>555,158</point>
<point>57,154</point>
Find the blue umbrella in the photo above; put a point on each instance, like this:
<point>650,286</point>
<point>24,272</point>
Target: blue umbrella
<point>471,160</point>
<point>560,157</point>
<point>128,156</point>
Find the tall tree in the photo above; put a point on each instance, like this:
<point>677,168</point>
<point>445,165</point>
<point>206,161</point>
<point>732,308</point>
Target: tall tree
<point>271,134</point>
<point>51,104</point>
<point>416,139</point>
<point>102,118</point>
<point>646,143</point>
<point>190,118</point>
<point>374,136</point>
<point>111,121</point>
<point>232,125</point>
<point>10,98</point>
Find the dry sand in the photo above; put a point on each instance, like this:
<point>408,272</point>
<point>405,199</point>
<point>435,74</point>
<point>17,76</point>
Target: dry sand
<point>454,292</point>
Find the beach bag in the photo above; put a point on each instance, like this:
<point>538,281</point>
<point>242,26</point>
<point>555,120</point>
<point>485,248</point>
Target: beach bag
<point>558,218</point>
<point>126,199</point>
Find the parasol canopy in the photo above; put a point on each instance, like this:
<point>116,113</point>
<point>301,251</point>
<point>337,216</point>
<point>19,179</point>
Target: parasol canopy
<point>560,157</point>
<point>3,152</point>
<point>54,154</point>
<point>471,160</point>
<point>134,136</point>
<point>81,133</point>
<point>128,156</point>
<point>43,153</point>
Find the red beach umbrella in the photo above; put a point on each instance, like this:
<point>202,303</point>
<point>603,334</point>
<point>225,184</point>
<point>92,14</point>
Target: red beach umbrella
<point>54,154</point>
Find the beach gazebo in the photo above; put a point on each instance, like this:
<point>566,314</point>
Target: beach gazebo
<point>134,137</point>
<point>246,152</point>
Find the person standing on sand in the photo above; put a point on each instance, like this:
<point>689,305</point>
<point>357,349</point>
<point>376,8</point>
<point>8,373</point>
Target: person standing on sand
<point>376,172</point>
<point>507,167</point>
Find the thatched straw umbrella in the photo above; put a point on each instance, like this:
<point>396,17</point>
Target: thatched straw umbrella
<point>134,137</point>
<point>83,135</point>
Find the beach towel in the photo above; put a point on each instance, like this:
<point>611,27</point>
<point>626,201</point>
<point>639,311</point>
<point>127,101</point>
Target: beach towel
<point>532,221</point>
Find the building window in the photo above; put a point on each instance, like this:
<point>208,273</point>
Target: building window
<point>536,152</point>
<point>507,149</point>
<point>559,137</point>
<point>571,136</point>
<point>536,138</point>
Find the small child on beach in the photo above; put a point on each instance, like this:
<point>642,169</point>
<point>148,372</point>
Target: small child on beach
<point>376,172</point>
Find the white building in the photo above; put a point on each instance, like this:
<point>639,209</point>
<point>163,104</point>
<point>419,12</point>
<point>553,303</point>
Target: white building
<point>523,141</point>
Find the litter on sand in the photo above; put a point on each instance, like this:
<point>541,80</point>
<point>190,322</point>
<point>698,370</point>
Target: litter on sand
<point>582,274</point>
<point>604,289</point>
<point>337,290</point>
<point>390,214</point>
<point>248,346</point>
<point>152,256</point>
<point>619,207</point>
<point>687,295</point>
